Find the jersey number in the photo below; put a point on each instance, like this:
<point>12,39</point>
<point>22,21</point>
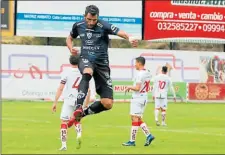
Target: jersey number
<point>146,87</point>
<point>162,84</point>
<point>76,83</point>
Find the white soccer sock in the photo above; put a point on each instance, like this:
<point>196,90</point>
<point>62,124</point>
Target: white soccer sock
<point>163,116</point>
<point>78,130</point>
<point>63,134</point>
<point>134,130</point>
<point>145,129</point>
<point>156,115</point>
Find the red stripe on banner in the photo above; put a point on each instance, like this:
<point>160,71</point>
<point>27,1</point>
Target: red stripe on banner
<point>23,71</point>
<point>174,60</point>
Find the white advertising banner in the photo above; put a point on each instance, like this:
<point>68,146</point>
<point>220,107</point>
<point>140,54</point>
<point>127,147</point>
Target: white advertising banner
<point>34,71</point>
<point>55,18</point>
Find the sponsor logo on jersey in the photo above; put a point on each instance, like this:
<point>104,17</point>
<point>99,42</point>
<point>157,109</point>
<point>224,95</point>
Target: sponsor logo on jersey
<point>89,35</point>
<point>97,35</point>
<point>106,61</point>
<point>109,84</point>
<point>100,25</point>
<point>93,48</point>
<point>82,35</point>
<point>106,75</point>
<point>80,95</point>
<point>85,60</point>
<point>89,42</point>
<point>91,53</point>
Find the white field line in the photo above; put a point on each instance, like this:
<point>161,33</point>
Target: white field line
<point>170,130</point>
<point>165,129</point>
<point>24,120</point>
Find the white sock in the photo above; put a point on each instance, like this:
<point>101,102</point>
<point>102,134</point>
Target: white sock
<point>78,130</point>
<point>145,129</point>
<point>134,130</point>
<point>163,116</point>
<point>156,115</point>
<point>63,134</point>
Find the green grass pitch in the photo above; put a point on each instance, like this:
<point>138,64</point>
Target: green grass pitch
<point>31,128</point>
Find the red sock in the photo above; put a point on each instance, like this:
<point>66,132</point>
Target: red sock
<point>75,123</point>
<point>70,123</point>
<point>63,126</point>
<point>140,122</point>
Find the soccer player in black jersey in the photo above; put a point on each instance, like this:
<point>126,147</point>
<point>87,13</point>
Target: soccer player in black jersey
<point>94,62</point>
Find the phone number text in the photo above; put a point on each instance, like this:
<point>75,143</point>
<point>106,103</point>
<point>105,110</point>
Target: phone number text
<point>173,26</point>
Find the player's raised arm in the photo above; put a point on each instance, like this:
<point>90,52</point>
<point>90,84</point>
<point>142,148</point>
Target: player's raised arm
<point>132,40</point>
<point>69,40</point>
<point>59,93</point>
<point>112,29</point>
<point>172,89</point>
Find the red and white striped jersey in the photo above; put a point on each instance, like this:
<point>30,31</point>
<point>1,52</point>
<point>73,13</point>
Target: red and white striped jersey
<point>71,78</point>
<point>143,77</point>
<point>162,83</point>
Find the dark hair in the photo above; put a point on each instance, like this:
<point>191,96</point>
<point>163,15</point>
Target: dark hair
<point>92,9</point>
<point>164,69</point>
<point>74,60</point>
<point>141,60</point>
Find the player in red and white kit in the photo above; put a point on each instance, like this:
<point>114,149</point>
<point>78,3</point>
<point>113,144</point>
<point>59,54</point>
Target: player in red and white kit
<point>162,83</point>
<point>70,80</point>
<point>139,100</point>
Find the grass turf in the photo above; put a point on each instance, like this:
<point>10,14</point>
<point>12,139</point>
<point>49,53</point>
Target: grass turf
<point>31,128</point>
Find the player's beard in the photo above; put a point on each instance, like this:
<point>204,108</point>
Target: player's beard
<point>90,26</point>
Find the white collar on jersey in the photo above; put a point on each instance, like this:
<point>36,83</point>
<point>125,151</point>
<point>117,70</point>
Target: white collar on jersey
<point>74,69</point>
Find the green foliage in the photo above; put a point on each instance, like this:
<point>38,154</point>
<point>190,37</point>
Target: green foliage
<point>115,43</point>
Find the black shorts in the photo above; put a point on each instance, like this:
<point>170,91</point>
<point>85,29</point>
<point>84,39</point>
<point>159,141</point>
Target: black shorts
<point>101,75</point>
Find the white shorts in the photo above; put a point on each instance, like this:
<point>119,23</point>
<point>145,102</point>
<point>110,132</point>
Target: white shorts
<point>161,103</point>
<point>67,110</point>
<point>137,106</point>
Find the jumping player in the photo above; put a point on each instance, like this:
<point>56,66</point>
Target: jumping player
<point>139,100</point>
<point>162,83</point>
<point>94,60</point>
<point>70,80</point>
